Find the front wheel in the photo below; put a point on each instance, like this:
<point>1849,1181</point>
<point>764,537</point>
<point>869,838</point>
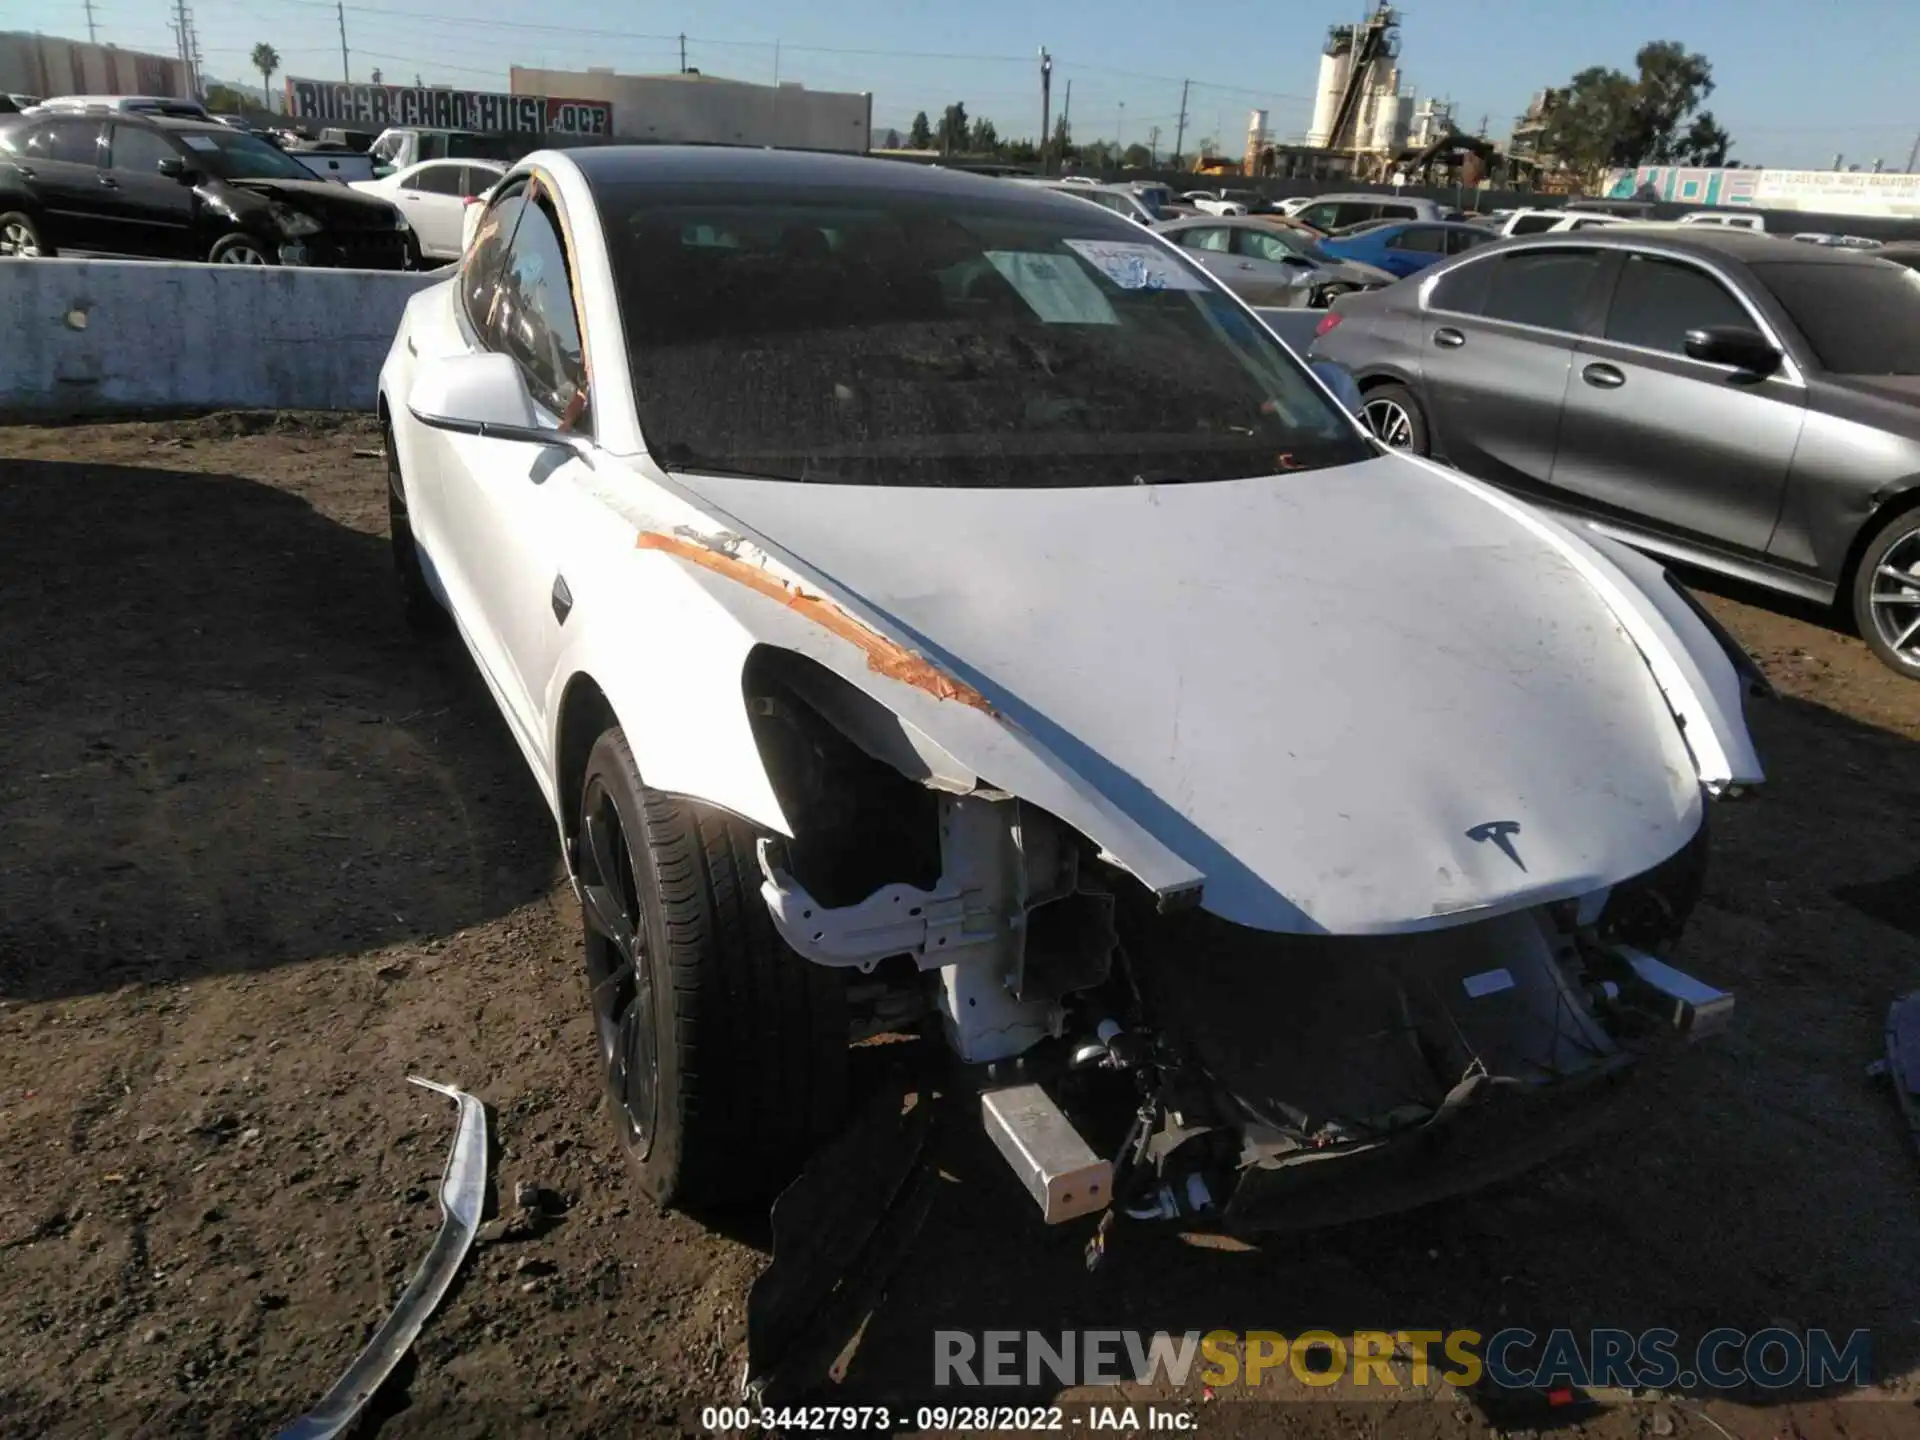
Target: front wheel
<point>1395,418</point>
<point>725,1052</point>
<point>241,250</point>
<point>20,237</point>
<point>1886,593</point>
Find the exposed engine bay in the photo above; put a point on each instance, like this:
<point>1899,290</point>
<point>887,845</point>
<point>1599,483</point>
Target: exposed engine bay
<point>1160,1065</point>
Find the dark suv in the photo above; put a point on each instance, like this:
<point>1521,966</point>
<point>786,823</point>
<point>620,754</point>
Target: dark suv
<point>161,188</point>
<point>1732,400</point>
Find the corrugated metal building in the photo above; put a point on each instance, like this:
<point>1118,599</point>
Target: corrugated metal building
<point>43,65</point>
<point>707,110</point>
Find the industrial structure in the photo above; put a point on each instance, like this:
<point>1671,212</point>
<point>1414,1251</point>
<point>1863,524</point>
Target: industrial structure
<point>695,109</point>
<point>43,65</point>
<point>1358,108</point>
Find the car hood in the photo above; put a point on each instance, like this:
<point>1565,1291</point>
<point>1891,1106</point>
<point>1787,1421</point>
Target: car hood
<point>335,206</point>
<point>1319,689</point>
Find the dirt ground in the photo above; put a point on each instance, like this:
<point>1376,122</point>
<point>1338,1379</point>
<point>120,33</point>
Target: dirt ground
<point>262,856</point>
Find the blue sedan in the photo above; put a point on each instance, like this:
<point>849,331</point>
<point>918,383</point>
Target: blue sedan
<point>1406,246</point>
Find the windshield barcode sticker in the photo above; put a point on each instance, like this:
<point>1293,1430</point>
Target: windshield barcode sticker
<point>1055,289</point>
<point>1135,266</point>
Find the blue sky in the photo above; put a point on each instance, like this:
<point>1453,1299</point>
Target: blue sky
<point>1797,81</point>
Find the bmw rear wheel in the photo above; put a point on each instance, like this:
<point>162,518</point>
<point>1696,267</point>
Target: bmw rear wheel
<point>1395,418</point>
<point>1886,593</point>
<point>240,250</point>
<point>20,237</point>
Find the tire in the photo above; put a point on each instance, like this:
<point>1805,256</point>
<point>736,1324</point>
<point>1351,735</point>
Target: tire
<point>725,1053</point>
<point>20,237</point>
<point>1886,593</point>
<point>1391,411</point>
<point>422,608</point>
<point>238,249</point>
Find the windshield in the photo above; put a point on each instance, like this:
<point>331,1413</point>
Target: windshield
<point>905,339</point>
<point>1859,319</point>
<point>236,155</point>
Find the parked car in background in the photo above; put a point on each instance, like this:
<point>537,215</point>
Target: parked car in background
<point>1738,219</point>
<point>1731,400</point>
<point>1271,264</point>
<point>339,163</point>
<point>156,187</point>
<point>129,104</point>
<point>1401,249</point>
<point>1362,797</point>
<point>436,196</point>
<point>1543,222</point>
<point>1118,198</point>
<point>1337,212</point>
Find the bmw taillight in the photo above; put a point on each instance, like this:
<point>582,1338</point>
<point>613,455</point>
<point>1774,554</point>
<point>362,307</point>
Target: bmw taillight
<point>1327,323</point>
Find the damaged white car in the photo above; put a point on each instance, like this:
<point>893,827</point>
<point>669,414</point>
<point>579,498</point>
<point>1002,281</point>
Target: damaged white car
<point>926,601</point>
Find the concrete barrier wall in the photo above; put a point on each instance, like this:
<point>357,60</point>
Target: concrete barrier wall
<point>106,337</point>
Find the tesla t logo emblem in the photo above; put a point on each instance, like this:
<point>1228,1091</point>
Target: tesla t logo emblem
<point>1501,833</point>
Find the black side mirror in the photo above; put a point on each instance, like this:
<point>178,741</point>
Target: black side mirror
<point>1745,350</point>
<point>175,168</point>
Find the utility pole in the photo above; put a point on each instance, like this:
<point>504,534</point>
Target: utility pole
<point>1120,129</point>
<point>93,37</point>
<point>683,52</point>
<point>1913,155</point>
<point>1153,148</point>
<point>1066,121</point>
<point>183,32</point>
<point>1180,133</point>
<point>340,14</point>
<point>1046,108</point>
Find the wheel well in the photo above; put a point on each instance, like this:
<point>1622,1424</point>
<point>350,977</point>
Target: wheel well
<point>585,714</point>
<point>380,409</point>
<point>1375,381</point>
<point>1904,501</point>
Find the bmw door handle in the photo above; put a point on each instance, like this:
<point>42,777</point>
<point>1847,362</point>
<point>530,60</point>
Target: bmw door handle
<point>1448,338</point>
<point>109,182</point>
<point>1603,376</point>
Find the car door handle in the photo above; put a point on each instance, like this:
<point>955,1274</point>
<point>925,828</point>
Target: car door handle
<point>1448,338</point>
<point>109,182</point>
<point>25,172</point>
<point>1603,377</point>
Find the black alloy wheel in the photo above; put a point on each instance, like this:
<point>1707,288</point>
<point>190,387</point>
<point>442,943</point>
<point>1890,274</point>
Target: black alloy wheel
<point>619,975</point>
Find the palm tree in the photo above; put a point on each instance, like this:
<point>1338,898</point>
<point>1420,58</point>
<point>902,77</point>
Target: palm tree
<point>266,60</point>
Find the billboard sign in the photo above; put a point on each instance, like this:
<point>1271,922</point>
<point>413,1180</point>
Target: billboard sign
<point>373,107</point>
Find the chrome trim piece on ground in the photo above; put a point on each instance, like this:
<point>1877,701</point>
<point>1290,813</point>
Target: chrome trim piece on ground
<point>463,1196</point>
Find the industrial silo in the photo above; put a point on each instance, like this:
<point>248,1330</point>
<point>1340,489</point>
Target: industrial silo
<point>1333,83</point>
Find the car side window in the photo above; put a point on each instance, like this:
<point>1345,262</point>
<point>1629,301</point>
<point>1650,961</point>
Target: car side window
<point>134,147</point>
<point>1397,212</point>
<point>1352,214</point>
<point>1422,238</point>
<point>1658,301</point>
<point>436,180</point>
<point>1263,246</point>
<point>534,321</point>
<point>1460,241</point>
<point>1216,239</point>
<point>1534,224</point>
<point>1320,216</point>
<point>1542,288</point>
<point>476,180</point>
<point>481,269</point>
<point>75,141</point>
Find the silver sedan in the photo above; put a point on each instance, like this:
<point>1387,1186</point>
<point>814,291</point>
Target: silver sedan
<point>1268,263</point>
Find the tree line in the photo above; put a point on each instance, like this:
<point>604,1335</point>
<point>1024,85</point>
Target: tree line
<point>954,133</point>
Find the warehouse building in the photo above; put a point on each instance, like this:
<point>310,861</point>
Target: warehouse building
<point>696,109</point>
<point>42,65</point>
